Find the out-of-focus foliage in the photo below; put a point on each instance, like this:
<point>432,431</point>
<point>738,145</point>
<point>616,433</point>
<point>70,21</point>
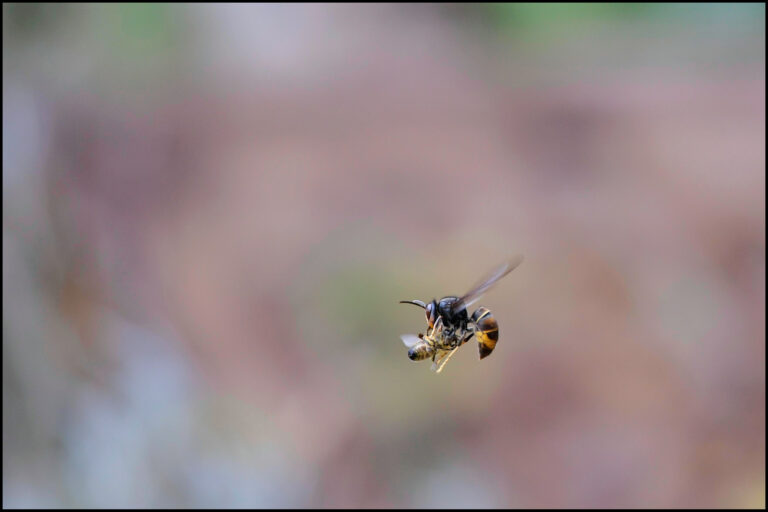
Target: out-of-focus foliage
<point>210,213</point>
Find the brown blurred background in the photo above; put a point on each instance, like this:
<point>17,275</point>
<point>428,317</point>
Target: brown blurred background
<point>210,213</point>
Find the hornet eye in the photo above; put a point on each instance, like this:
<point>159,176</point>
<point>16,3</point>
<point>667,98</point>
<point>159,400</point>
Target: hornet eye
<point>430,312</point>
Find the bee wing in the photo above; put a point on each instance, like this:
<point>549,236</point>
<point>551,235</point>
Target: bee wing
<point>441,359</point>
<point>410,339</point>
<point>484,284</point>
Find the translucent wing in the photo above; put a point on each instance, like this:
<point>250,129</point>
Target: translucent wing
<point>441,358</point>
<point>410,339</point>
<point>484,284</point>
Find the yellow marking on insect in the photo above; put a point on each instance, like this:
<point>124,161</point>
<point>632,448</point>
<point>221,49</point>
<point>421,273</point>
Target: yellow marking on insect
<point>487,312</point>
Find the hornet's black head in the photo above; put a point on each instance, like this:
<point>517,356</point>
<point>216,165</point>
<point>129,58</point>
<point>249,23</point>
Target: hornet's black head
<point>445,309</point>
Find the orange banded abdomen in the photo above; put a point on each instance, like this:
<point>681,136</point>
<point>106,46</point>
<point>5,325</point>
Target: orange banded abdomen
<point>486,330</point>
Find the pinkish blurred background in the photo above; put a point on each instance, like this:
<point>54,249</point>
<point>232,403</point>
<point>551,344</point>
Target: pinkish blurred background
<point>210,213</point>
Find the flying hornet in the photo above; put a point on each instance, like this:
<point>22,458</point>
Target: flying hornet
<point>450,326</point>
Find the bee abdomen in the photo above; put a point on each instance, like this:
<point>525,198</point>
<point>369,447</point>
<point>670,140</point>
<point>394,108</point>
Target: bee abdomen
<point>420,351</point>
<point>487,330</point>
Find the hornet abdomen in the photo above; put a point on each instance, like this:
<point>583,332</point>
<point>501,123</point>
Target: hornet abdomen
<point>486,329</point>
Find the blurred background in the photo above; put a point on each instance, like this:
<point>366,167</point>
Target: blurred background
<point>210,213</point>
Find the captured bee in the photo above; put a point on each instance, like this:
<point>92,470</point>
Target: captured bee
<point>450,326</point>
